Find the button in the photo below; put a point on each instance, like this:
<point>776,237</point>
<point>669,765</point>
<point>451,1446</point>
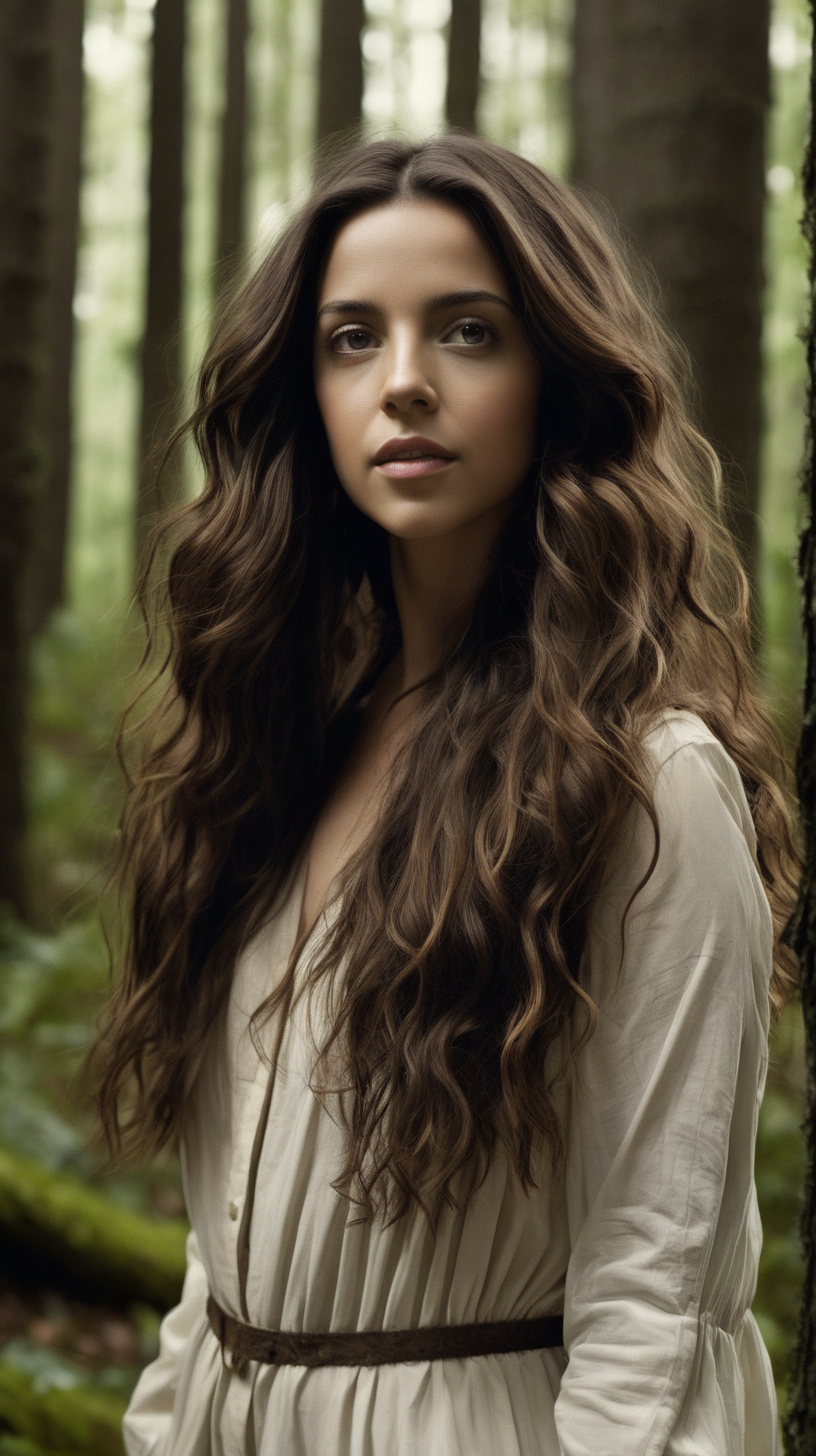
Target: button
<point>233,1211</point>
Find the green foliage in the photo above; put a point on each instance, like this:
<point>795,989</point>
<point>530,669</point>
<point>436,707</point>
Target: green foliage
<point>54,979</point>
<point>81,673</point>
<point>53,1422</point>
<point>53,985</point>
<point>50,992</point>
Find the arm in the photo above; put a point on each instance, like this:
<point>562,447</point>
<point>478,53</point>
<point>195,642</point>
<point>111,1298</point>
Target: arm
<point>146,1425</point>
<point>663,1222</point>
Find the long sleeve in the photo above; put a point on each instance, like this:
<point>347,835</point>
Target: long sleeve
<point>663,1101</point>
<point>147,1422</point>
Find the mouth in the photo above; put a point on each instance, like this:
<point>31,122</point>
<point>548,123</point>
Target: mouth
<point>411,456</point>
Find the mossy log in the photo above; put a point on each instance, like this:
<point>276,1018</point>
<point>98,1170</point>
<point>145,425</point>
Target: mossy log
<point>55,1231</point>
<point>57,1422</point>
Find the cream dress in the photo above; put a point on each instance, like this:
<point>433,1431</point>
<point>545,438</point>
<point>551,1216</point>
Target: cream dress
<point>648,1242</point>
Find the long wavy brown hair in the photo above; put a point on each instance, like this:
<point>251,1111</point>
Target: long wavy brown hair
<point>615,593</point>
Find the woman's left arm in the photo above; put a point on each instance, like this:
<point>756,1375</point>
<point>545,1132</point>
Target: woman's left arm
<point>664,1097</point>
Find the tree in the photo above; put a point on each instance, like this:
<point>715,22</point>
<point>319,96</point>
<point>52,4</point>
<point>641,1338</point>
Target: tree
<point>25,104</point>
<point>800,1424</point>
<point>161,362</point>
<point>464,42</point>
<point>340,76</point>
<point>231,191</point>
<point>669,116</point>
<point>49,567</point>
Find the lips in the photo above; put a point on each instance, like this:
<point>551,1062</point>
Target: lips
<point>413,448</point>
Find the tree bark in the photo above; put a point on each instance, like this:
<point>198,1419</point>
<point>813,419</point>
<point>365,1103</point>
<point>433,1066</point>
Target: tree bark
<point>161,362</point>
<point>49,567</point>
<point>800,1420</point>
<point>340,77</point>
<point>462,97</point>
<point>25,104</point>
<point>670,103</point>
<point>231,191</point>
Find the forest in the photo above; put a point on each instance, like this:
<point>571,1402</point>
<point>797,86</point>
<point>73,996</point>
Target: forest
<point>149,151</point>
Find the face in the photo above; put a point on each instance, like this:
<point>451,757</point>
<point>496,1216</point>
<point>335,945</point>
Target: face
<point>426,384</point>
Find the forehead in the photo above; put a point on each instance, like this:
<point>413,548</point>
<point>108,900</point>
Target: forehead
<point>408,251</point>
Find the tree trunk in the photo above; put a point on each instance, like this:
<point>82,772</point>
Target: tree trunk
<point>49,567</point>
<point>800,1423</point>
<point>25,102</point>
<point>340,78</point>
<point>161,363</point>
<point>670,101</point>
<point>231,192</point>
<point>462,96</point>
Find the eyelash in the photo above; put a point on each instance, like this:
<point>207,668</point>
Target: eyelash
<point>348,329</point>
<point>459,324</point>
<point>480,323</point>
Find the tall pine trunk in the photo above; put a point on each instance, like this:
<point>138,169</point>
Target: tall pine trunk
<point>340,76</point>
<point>462,97</point>
<point>670,101</point>
<point>800,1423</point>
<point>25,103</point>
<point>66,164</point>
<point>161,363</point>
<point>231,190</point>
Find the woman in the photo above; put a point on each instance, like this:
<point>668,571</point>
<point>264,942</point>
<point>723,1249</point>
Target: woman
<point>457,859</point>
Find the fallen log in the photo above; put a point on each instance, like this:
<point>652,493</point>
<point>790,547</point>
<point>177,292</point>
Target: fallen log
<point>55,1231</point>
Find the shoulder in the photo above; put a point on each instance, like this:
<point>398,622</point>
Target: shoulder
<point>701,896</point>
<point>696,782</point>
<point>706,841</point>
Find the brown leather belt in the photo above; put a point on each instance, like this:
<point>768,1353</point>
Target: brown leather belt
<point>245,1342</point>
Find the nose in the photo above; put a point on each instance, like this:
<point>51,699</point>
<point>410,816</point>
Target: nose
<point>407,384</point>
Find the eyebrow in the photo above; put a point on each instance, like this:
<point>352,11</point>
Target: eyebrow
<point>433,305</point>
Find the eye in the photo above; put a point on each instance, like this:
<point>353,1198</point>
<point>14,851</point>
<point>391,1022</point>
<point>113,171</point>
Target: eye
<point>351,340</point>
<point>472,332</point>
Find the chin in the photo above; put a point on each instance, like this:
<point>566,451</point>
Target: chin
<point>418,523</point>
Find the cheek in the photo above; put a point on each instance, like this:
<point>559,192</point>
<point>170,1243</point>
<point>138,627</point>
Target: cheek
<point>504,421</point>
<point>340,422</point>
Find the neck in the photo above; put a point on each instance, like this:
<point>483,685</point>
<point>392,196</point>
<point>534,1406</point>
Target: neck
<point>436,582</point>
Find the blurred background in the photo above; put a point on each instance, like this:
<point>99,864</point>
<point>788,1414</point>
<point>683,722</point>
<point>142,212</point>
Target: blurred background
<point>148,150</point>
